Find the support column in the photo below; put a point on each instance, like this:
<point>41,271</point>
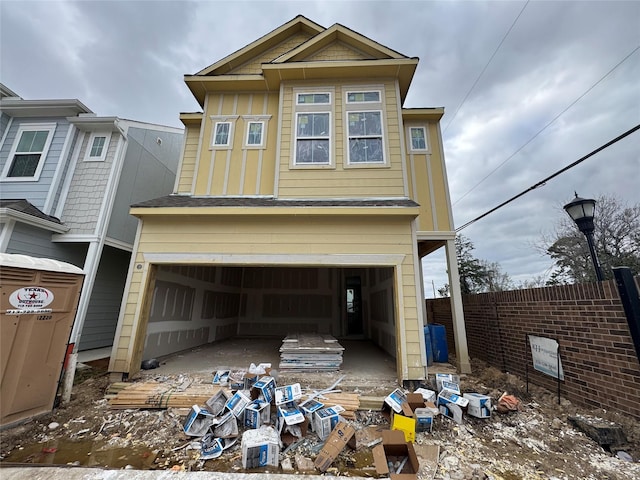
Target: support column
<point>457,314</point>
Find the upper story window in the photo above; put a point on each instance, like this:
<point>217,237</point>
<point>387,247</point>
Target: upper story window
<point>29,150</point>
<point>365,127</point>
<point>222,131</point>
<point>255,131</point>
<point>97,147</point>
<point>418,138</point>
<point>313,129</point>
<point>222,134</point>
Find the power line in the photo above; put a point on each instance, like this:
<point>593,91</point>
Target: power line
<point>547,125</point>
<point>485,68</point>
<point>544,181</point>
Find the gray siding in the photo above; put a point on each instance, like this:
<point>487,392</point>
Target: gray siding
<point>148,172</point>
<point>66,170</point>
<point>28,240</point>
<point>35,192</point>
<point>104,306</point>
<point>4,121</point>
<point>87,189</point>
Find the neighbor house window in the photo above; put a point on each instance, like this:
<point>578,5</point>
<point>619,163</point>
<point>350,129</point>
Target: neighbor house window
<point>365,127</point>
<point>418,138</point>
<point>29,150</point>
<point>97,147</point>
<point>313,128</point>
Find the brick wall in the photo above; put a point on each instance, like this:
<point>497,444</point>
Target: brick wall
<point>599,361</point>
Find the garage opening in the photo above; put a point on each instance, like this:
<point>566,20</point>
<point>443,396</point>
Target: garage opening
<point>197,305</point>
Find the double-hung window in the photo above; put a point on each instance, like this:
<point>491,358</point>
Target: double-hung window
<point>365,127</point>
<point>29,150</point>
<point>313,128</point>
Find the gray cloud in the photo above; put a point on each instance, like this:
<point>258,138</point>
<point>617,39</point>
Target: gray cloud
<point>128,59</point>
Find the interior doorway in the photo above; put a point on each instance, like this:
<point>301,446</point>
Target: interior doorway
<point>353,297</point>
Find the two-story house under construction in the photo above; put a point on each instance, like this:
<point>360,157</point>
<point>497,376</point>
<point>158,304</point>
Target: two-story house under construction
<point>304,186</point>
<point>67,180</point>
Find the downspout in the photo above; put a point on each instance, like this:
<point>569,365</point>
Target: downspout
<point>92,261</point>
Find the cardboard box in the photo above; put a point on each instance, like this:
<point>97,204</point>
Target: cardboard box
<point>216,403</point>
<point>479,405</point>
<point>395,448</point>
<point>241,380</point>
<point>225,426</point>
<point>260,448</point>
<point>427,395</point>
<point>290,413</point>
<point>221,377</point>
<point>238,403</point>
<point>288,393</point>
<point>264,389</point>
<point>325,420</point>
<point>449,396</point>
<point>292,433</point>
<point>424,419</point>
<point>452,411</point>
<point>339,437</point>
<point>257,413</point>
<point>309,407</point>
<point>198,421</point>
<point>451,386</point>
<point>406,425</point>
<point>446,377</point>
<point>395,400</point>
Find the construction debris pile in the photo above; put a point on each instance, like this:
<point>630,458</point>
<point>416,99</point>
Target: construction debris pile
<point>307,352</point>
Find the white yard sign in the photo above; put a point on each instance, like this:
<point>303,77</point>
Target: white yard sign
<point>545,356</point>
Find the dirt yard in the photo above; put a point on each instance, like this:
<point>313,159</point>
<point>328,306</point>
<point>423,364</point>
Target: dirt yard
<point>536,442</point>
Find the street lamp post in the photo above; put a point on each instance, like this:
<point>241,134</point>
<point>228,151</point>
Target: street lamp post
<point>581,211</point>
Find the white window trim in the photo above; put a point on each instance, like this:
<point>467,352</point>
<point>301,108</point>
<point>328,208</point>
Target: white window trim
<point>249,119</point>
<point>28,127</point>
<point>217,119</point>
<point>295,141</point>
<point>364,102</point>
<point>103,155</point>
<point>410,139</point>
<point>316,92</point>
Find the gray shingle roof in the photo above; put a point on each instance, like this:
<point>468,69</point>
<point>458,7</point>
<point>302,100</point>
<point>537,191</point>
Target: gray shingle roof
<point>22,205</point>
<point>194,202</point>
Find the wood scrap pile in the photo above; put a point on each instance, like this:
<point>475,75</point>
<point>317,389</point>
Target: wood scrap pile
<point>158,395</point>
<point>310,353</point>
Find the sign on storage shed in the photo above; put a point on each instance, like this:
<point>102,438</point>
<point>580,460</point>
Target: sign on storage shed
<point>39,299</point>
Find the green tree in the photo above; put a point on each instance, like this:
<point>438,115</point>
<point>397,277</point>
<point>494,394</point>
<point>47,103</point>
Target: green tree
<point>476,276</point>
<point>616,241</point>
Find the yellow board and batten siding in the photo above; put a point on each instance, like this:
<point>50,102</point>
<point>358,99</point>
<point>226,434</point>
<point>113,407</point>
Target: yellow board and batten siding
<point>295,239</point>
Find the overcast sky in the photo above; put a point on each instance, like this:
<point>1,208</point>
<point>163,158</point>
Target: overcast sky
<point>503,71</point>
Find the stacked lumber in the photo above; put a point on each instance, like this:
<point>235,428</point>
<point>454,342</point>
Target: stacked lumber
<point>310,353</point>
<point>349,401</point>
<point>158,395</point>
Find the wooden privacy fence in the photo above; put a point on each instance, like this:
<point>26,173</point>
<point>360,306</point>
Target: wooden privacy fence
<point>600,365</point>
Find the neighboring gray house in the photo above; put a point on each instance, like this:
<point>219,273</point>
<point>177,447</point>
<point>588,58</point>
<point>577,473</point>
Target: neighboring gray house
<point>67,178</point>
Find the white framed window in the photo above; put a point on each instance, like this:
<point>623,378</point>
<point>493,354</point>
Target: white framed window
<point>313,138</point>
<point>313,98</point>
<point>367,96</point>
<point>97,147</point>
<point>222,134</point>
<point>313,124</point>
<point>255,131</point>
<point>28,152</point>
<point>365,127</point>
<point>365,137</point>
<point>418,138</point>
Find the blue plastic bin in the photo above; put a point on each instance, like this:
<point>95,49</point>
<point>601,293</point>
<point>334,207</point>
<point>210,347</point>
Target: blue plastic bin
<point>439,342</point>
<point>429,345</point>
